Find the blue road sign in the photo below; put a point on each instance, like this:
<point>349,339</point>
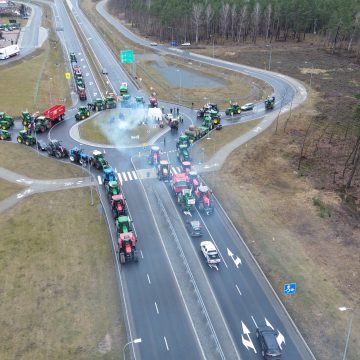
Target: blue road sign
<point>290,289</point>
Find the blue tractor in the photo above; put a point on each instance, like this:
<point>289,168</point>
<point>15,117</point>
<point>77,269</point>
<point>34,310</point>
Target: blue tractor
<point>108,175</point>
<point>78,156</point>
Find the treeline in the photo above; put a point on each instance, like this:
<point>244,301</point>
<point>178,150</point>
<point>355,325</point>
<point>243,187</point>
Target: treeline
<point>244,20</point>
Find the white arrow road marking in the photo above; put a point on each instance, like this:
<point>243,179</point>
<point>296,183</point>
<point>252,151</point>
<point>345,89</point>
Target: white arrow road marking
<point>247,342</point>
<point>237,260</point>
<point>95,93</point>
<point>84,66</point>
<point>166,344</point>
<point>187,213</point>
<point>91,83</point>
<point>99,180</point>
<point>280,339</point>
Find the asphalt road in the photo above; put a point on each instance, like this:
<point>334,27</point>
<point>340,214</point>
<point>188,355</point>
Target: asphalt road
<point>172,300</point>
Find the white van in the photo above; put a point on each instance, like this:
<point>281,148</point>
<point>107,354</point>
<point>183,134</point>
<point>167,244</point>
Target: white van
<point>9,51</point>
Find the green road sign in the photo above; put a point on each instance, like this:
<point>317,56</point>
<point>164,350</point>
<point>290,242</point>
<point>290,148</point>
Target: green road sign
<point>127,56</point>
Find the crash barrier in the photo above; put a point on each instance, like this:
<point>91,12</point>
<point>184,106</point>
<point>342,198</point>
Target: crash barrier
<point>188,271</point>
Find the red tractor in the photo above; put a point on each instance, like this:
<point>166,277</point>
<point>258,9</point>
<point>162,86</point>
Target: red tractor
<point>179,182</point>
<point>203,199</point>
<point>118,205</point>
<point>186,166</point>
<point>194,180</point>
<point>154,155</point>
<point>55,113</point>
<point>127,248</point>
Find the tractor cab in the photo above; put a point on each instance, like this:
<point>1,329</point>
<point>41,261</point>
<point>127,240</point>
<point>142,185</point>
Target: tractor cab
<point>234,108</point>
<point>82,113</point>
<point>123,224</point>
<point>204,199</point>
<point>139,101</point>
<point>112,188</point>
<point>163,170</point>
<point>154,155</point>
<point>108,175</point>
<point>179,182</point>
<point>183,139</point>
<point>26,118</point>
<point>118,206</point>
<point>183,153</point>
<point>78,155</point>
<point>123,88</point>
<point>269,102</point>
<point>186,199</point>
<point>127,247</point>
<point>186,166</point>
<point>194,179</point>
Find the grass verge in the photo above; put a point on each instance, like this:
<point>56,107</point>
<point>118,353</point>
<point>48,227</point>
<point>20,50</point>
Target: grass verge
<point>21,159</point>
<point>36,81</point>
<point>59,296</point>
<point>8,189</point>
<point>99,130</point>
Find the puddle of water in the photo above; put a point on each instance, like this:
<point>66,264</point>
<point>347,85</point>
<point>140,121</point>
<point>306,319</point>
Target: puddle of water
<point>187,79</point>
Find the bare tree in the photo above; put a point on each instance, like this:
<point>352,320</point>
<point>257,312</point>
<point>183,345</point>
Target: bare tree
<point>233,20</point>
<point>242,18</point>
<point>224,14</point>
<point>255,22</point>
<point>197,12</point>
<point>268,20</point>
<point>209,13</point>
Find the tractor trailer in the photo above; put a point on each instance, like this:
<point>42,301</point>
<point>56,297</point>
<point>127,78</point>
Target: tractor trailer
<point>9,51</point>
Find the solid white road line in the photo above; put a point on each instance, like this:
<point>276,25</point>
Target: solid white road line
<point>142,256</point>
<point>157,310</point>
<point>134,175</point>
<point>148,277</point>
<point>99,179</point>
<point>166,344</point>
<point>124,176</point>
<point>237,288</point>
<point>254,321</point>
<point>129,175</point>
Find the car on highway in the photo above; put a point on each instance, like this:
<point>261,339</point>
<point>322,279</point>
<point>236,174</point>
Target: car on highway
<point>270,348</point>
<point>153,44</point>
<point>104,71</point>
<point>194,227</point>
<point>186,44</point>
<point>248,106</point>
<point>209,251</point>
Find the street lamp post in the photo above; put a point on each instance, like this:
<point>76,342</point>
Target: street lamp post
<point>343,308</point>
<point>136,341</point>
<point>269,45</point>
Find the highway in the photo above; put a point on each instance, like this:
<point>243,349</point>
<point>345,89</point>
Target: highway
<point>179,306</point>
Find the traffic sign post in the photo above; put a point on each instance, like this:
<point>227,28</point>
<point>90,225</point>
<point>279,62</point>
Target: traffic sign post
<point>290,289</point>
<point>127,56</point>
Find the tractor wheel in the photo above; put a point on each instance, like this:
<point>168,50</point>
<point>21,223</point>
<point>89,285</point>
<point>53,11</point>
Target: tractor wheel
<point>58,154</point>
<point>82,117</point>
<point>231,113</point>
<point>19,139</point>
<point>238,111</point>
<point>96,108</point>
<point>136,258</point>
<point>82,161</point>
<point>42,129</point>
<point>72,158</point>
<point>98,166</point>
<point>3,127</point>
<point>88,113</point>
<point>122,258</point>
<point>2,137</point>
<point>27,142</point>
<point>48,125</point>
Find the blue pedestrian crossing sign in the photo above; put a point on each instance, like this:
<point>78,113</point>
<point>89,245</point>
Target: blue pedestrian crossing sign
<point>127,56</point>
<point>290,289</point>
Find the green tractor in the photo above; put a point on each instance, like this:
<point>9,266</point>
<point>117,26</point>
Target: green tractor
<point>98,161</point>
<point>183,139</point>
<point>26,118</point>
<point>123,224</point>
<point>80,83</point>
<point>110,102</point>
<point>112,188</point>
<point>6,121</point>
<point>207,122</point>
<point>183,153</point>
<point>5,135</point>
<point>269,102</point>
<point>25,138</point>
<point>41,124</point>
<point>186,200</point>
<point>73,57</point>
<point>82,113</point>
<point>139,100</point>
<point>214,115</point>
<point>123,88</point>
<point>99,104</point>
<point>233,109</point>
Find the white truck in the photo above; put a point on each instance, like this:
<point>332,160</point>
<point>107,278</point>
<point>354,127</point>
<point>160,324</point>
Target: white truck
<point>9,51</point>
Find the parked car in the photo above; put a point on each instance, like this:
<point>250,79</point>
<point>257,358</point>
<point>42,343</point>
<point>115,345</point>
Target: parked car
<point>270,348</point>
<point>153,44</point>
<point>41,145</point>
<point>248,106</point>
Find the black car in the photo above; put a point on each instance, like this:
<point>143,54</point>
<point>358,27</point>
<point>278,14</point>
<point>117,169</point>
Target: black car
<point>41,145</point>
<point>194,227</point>
<point>270,348</point>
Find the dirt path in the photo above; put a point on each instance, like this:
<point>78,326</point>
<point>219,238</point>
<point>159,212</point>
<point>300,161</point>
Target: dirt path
<point>36,186</point>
